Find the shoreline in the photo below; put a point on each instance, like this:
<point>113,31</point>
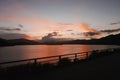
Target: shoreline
<point>59,44</point>
<point>101,66</point>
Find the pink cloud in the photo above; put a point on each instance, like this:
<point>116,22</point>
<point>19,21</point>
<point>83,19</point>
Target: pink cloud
<point>40,24</point>
<point>86,28</point>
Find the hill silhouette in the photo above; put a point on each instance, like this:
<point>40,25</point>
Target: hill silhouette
<point>13,42</point>
<point>108,40</point>
<point>4,42</point>
<point>111,39</point>
<point>22,41</point>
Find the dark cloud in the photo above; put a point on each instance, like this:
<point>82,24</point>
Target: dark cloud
<point>55,33</point>
<point>79,33</point>
<point>72,33</point>
<point>98,33</point>
<point>111,30</point>
<point>69,30</point>
<point>9,29</point>
<point>51,36</point>
<point>115,23</point>
<point>91,33</point>
<point>12,35</point>
<point>20,25</point>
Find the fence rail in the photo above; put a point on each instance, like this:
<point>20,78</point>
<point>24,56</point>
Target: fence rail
<point>59,57</point>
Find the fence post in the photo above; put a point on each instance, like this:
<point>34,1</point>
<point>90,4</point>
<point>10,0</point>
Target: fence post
<point>75,56</point>
<point>87,55</point>
<point>35,61</point>
<point>59,58</point>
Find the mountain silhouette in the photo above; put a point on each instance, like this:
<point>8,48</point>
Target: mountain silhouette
<point>108,40</point>
<point>13,42</point>
<point>22,41</point>
<point>4,42</point>
<point>111,39</point>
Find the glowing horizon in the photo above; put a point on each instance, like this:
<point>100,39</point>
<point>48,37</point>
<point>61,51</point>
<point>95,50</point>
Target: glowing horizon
<point>69,18</point>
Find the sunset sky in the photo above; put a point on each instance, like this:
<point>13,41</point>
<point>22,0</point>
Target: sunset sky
<point>61,18</point>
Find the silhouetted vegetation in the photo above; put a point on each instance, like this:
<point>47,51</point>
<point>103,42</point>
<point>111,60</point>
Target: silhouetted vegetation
<point>4,42</point>
<point>38,68</point>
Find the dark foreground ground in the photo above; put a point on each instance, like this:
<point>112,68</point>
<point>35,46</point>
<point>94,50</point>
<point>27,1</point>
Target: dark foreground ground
<point>101,68</point>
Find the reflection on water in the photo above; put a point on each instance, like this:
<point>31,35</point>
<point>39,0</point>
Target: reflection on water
<point>36,51</point>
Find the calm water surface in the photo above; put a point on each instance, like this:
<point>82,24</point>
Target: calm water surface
<point>36,51</point>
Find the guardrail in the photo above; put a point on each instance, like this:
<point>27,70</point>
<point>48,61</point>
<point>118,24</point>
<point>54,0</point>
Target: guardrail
<point>76,56</point>
<point>59,58</point>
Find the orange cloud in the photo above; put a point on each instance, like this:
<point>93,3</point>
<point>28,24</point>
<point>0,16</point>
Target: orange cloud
<point>86,28</point>
<point>40,22</point>
<point>32,37</point>
<point>46,26</point>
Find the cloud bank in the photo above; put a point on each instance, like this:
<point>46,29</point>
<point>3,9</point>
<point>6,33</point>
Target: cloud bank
<point>9,29</point>
<point>115,23</point>
<point>111,30</point>
<point>39,23</point>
